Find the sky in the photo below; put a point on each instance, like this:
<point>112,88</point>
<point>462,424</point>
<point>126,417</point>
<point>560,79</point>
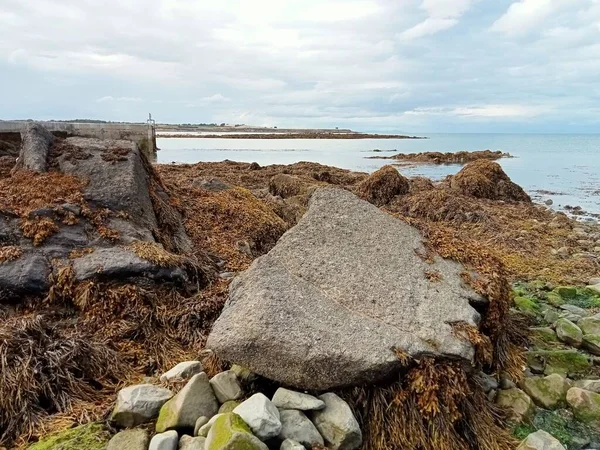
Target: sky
<point>408,66</point>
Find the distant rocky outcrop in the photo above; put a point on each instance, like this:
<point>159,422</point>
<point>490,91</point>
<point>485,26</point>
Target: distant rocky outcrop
<point>340,296</point>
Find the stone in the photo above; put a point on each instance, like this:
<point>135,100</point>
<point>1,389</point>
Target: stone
<point>591,342</point>
<point>261,415</point>
<point>543,335</point>
<point>590,325</point>
<point>204,429</point>
<point>594,287</point>
<point>566,292</point>
<point>230,432</point>
<point>229,406</point>
<point>288,444</point>
<point>575,318</point>
<point>548,392</point>
<point>27,274</point>
<point>563,362</point>
<point>554,299</point>
<point>585,406</point>
<point>588,385</point>
<point>383,185</point>
<point>139,404</point>
<point>211,184</point>
<point>594,281</point>
<point>169,440</point>
<point>506,381</point>
<point>202,420</point>
<point>35,146</point>
<point>191,443</point>
<point>337,424</point>
<point>488,382</point>
<point>568,332</point>
<point>136,439</point>
<point>551,316</point>
<point>196,399</point>
<point>518,403</point>
<point>287,399</point>
<point>345,262</point>
<point>297,427</point>
<point>226,386</point>
<point>540,440</point>
<point>243,374</point>
<point>182,372</point>
<point>575,310</point>
<point>527,305</point>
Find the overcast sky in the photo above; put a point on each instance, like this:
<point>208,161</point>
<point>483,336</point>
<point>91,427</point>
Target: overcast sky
<point>402,65</point>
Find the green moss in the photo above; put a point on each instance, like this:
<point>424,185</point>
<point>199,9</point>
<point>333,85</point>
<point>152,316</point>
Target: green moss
<point>224,431</point>
<point>563,426</point>
<point>554,299</point>
<point>566,292</point>
<point>92,436</point>
<point>527,305</point>
<point>228,406</point>
<point>522,430</point>
<point>562,362</point>
<point>586,298</point>
<point>166,418</point>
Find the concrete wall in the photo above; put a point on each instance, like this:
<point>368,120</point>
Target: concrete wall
<point>143,135</point>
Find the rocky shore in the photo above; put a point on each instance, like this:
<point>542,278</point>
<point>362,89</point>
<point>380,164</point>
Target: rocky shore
<point>229,305</point>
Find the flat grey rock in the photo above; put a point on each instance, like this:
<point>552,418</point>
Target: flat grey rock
<point>337,424</point>
<point>191,443</point>
<point>342,289</point>
<point>540,440</point>
<point>168,440</point>
<point>297,427</point>
<point>226,386</point>
<point>287,399</point>
<point>182,371</point>
<point>138,404</point>
<point>28,274</point>
<point>136,439</point>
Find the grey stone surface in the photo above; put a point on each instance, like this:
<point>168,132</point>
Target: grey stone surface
<point>191,443</point>
<point>575,310</point>
<point>540,440</point>
<point>591,342</point>
<point>261,415</point>
<point>337,424</point>
<point>338,292</point>
<point>205,428</point>
<point>489,383</point>
<point>588,385</point>
<point>196,399</point>
<point>548,392</point>
<point>590,325</point>
<point>182,371</point>
<point>297,427</point>
<point>226,386</point>
<point>518,403</point>
<point>202,420</point>
<point>568,332</point>
<point>28,274</point>
<point>136,439</point>
<point>35,145</point>
<point>168,440</point>
<point>230,432</point>
<point>287,399</point>
<point>288,444</point>
<point>138,404</point>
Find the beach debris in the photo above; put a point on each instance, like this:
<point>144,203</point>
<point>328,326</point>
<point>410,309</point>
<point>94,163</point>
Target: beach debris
<point>383,185</point>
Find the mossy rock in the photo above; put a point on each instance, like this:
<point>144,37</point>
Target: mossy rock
<point>230,432</point>
<point>566,292</point>
<point>585,406</point>
<point>544,337</point>
<point>561,424</point>
<point>554,299</point>
<point>92,436</point>
<point>563,362</point>
<point>527,305</point>
<point>568,332</point>
<point>548,392</point>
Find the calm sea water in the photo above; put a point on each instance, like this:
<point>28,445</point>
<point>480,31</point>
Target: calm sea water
<point>568,166</point>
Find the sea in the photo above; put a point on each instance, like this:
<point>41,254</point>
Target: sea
<point>564,168</point>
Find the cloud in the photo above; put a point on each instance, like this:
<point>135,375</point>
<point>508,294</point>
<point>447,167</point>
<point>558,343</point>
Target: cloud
<point>525,15</point>
<point>443,14</point>
<point>483,111</point>
<point>110,98</point>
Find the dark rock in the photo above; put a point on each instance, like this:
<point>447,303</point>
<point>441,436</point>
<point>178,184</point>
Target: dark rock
<point>28,274</point>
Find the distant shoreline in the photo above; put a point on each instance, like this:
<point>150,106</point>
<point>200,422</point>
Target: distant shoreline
<point>302,135</point>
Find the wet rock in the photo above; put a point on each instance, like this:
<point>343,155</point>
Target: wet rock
<point>585,406</point>
<point>226,386</point>
<point>286,399</point>
<point>297,427</point>
<point>35,145</point>
<point>341,264</point>
<point>196,399</point>
<point>540,440</point>
<point>590,325</point>
<point>488,382</point>
<point>518,403</point>
<point>182,371</point>
<point>548,392</point>
<point>28,274</point>
<point>130,440</point>
<point>168,440</point>
<point>230,432</point>
<point>337,424</point>
<point>192,443</point>
<point>261,415</point>
<point>568,332</point>
<point>138,404</point>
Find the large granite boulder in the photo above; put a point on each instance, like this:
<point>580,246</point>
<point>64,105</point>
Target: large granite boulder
<point>338,294</point>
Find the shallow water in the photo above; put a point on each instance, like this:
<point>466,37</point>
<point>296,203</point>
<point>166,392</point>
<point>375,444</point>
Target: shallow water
<point>568,166</point>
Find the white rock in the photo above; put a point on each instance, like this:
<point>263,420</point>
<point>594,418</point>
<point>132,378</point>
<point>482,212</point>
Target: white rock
<point>540,440</point>
<point>288,444</point>
<point>168,440</point>
<point>204,429</point>
<point>286,399</point>
<point>226,386</point>
<point>261,415</point>
<point>297,427</point>
<point>202,420</point>
<point>337,424</point>
<point>138,404</point>
<point>182,371</point>
<point>191,443</point>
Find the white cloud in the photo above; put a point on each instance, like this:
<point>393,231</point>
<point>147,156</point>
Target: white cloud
<point>525,15</point>
<point>110,99</point>
<point>483,111</point>
<point>443,14</point>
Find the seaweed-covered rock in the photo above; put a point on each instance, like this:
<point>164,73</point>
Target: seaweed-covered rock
<point>547,392</point>
<point>518,403</point>
<point>383,185</point>
<point>585,405</point>
<point>566,292</point>
<point>346,262</point>
<point>540,440</point>
<point>230,432</point>
<point>285,186</point>
<point>139,404</point>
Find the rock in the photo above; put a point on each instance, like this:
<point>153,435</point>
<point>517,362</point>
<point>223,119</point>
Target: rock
<point>242,373</point>
<point>551,316</point>
<point>566,292</point>
<point>285,186</point>
<point>575,318</point>
<point>527,305</point>
<point>488,382</point>
<point>138,404</point>
<point>563,362</point>
<point>196,399</point>
<point>230,432</point>
<point>549,202</point>
<point>506,381</point>
<point>229,406</point>
<point>286,399</point>
<point>168,440</point>
<point>543,335</point>
<point>383,185</point>
<point>575,310</point>
<point>554,299</point>
<point>337,424</point>
<point>35,146</point>
<point>226,386</point>
<point>211,184</point>
<point>288,444</point>
<point>588,385</point>
<point>297,427</point>
<point>204,429</point>
<point>261,415</point>
<point>590,325</point>
<point>540,440</point>
<point>594,281</point>
<point>136,439</point>
<point>568,332</point>
<point>191,443</point>
<point>585,406</point>
<point>27,274</point>
<point>202,420</point>
<point>548,392</point>
<point>340,264</point>
<point>594,287</point>
<point>182,372</point>
<point>92,436</point>
<point>518,403</point>
<point>591,342</point>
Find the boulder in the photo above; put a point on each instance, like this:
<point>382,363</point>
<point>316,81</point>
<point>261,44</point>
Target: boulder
<point>591,342</point>
<point>229,406</point>
<point>548,392</point>
<point>383,185</point>
<point>192,443</point>
<point>288,444</point>
<point>182,372</point>
<point>590,325</point>
<point>588,385</point>
<point>540,440</point>
<point>230,432</point>
<point>286,399</point>
<point>261,415</point>
<point>563,362</point>
<point>568,332</point>
<point>226,386</point>
<point>337,294</point>
<point>566,292</point>
<point>575,310</point>
<point>169,440</point>
<point>297,427</point>
<point>138,404</point>
<point>518,403</point>
<point>202,420</point>
<point>27,274</point>
<point>196,399</point>
<point>585,406</point>
<point>136,439</point>
<point>35,146</point>
<point>337,424</point>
